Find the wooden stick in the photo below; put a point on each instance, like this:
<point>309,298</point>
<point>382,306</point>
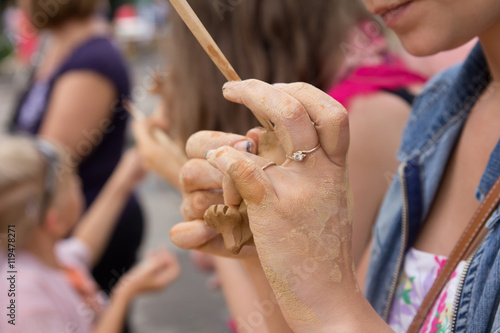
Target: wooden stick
<point>158,134</point>
<point>207,42</point>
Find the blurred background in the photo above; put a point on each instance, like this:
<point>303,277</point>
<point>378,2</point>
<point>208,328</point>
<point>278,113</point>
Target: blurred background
<point>190,304</point>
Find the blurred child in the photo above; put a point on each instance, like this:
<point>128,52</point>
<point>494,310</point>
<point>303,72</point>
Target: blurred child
<point>40,203</point>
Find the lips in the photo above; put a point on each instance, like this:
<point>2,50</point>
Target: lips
<point>390,13</point>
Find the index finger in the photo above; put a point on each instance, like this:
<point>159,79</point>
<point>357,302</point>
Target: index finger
<point>285,113</point>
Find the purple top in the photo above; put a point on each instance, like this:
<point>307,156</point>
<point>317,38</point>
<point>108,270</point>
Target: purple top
<point>100,56</point>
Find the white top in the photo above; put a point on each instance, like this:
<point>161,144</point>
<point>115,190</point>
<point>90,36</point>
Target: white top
<point>420,271</point>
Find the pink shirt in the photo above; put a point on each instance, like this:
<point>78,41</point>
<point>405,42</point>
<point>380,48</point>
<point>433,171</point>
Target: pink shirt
<point>45,299</point>
<point>371,67</point>
<point>367,80</point>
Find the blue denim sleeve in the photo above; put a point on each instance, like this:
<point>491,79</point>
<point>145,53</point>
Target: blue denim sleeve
<point>496,325</point>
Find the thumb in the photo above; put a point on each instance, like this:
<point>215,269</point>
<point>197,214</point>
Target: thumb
<point>250,180</point>
<point>141,131</point>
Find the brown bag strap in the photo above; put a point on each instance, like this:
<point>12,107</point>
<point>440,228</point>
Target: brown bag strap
<point>472,237</point>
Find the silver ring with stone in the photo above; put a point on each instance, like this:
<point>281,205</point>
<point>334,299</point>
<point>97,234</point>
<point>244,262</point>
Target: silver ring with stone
<point>268,165</point>
<point>300,155</point>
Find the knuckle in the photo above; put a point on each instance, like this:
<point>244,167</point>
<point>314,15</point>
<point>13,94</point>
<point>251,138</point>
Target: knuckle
<point>194,141</point>
<point>251,83</point>
<point>336,109</point>
<point>244,169</point>
<point>297,86</point>
<point>335,114</point>
<point>199,203</point>
<point>189,173</point>
<point>186,210</point>
<point>292,109</point>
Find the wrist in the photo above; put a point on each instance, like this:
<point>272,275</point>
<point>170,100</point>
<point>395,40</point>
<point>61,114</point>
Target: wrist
<point>358,316</point>
<point>121,186</point>
<point>251,263</point>
<point>317,293</point>
<point>123,292</point>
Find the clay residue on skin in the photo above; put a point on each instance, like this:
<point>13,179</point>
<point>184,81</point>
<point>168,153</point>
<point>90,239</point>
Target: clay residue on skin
<point>270,148</point>
<point>336,274</point>
<point>219,153</point>
<point>242,167</point>
<point>353,269</point>
<point>294,307</point>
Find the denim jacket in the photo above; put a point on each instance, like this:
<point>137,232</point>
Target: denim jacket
<point>430,136</point>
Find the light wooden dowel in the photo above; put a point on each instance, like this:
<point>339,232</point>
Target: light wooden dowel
<point>160,136</point>
<point>207,42</point>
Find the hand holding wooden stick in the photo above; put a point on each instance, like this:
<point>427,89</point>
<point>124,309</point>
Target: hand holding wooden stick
<point>231,222</point>
<point>158,134</point>
<point>159,152</point>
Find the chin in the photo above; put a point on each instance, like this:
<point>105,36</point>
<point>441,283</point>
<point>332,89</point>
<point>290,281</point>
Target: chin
<point>419,50</point>
<point>421,46</point>
<point>428,43</point>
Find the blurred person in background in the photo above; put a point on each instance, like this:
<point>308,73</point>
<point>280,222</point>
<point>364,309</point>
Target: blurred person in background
<point>40,204</point>
<point>7,28</point>
<point>76,99</point>
<point>18,34</point>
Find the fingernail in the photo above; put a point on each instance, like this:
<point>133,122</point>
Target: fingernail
<point>244,146</point>
<point>207,154</point>
<point>228,85</point>
<point>228,91</point>
<point>249,147</point>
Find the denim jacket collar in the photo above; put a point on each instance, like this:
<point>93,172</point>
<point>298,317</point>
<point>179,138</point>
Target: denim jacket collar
<point>463,91</point>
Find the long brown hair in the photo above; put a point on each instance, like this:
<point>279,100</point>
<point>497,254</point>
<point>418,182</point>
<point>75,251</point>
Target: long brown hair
<point>271,40</point>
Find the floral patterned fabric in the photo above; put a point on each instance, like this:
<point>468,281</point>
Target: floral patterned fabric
<point>420,271</point>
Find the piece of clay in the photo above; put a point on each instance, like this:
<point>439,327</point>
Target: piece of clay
<point>232,222</point>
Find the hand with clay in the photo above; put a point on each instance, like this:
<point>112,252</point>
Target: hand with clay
<point>202,188</point>
<point>300,213</point>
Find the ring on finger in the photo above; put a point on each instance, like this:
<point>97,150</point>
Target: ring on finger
<point>300,155</point>
<point>268,165</point>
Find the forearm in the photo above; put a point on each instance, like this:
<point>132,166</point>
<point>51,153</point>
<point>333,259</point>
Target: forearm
<point>320,293</point>
<point>99,222</point>
<point>113,318</point>
<point>360,318</point>
<point>268,305</point>
<point>240,294</point>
